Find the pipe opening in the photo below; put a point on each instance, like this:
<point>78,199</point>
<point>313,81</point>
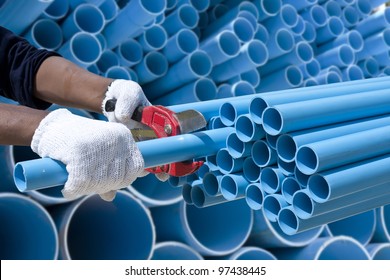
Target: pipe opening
<point>187,41</point>
<point>318,15</point>
<point>156,63</point>
<point>293,76</point>
<point>271,208</point>
<point>286,147</point>
<point>269,180</point>
<point>284,40</point>
<point>89,18</point>
<point>261,153</point>
<point>198,196</point>
<point>307,160</point>
<point>333,8</point>
<point>305,52</point>
<point>270,7</point>
<point>303,205</point>
<point>364,7</point>
<point>354,73</point>
<point>229,188</point>
<point>200,63</point>
<point>245,128</point>
<point>42,29</point>
<point>186,194</point>
<point>371,66</point>
<point>318,187</point>
<point>227,113</point>
<point>355,40</point>
<point>350,15</point>
<point>288,222</point>
<point>235,146</point>
<point>224,161</point>
<point>256,109</point>
<point>257,52</point>
<point>131,50</point>
<point>242,88</point>
<point>289,15</point>
<point>154,7</point>
<point>346,55</point>
<point>254,196</point>
<point>210,184</point>
<point>188,16</point>
<point>251,170</point>
<point>229,44</point>
<point>336,26</point>
<point>205,89</point>
<point>287,168</point>
<point>243,29</point>
<point>85,47</point>
<point>289,187</point>
<point>272,121</point>
<point>156,37</point>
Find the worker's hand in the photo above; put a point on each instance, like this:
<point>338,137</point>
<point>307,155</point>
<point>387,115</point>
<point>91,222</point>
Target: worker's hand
<point>129,96</point>
<point>100,157</point>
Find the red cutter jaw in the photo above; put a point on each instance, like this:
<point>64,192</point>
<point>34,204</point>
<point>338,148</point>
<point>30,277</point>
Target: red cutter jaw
<point>164,123</point>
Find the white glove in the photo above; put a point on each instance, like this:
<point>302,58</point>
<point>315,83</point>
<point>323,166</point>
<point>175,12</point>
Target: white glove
<point>129,96</point>
<point>100,157</point>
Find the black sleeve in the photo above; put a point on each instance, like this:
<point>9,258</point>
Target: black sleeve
<point>19,63</point>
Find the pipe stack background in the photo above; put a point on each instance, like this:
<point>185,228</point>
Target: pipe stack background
<point>292,181</point>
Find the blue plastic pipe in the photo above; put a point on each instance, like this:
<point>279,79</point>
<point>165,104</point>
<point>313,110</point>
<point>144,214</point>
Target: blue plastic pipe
<point>352,38</point>
<point>153,38</point>
<point>316,15</point>
<point>251,170</point>
<point>382,230</point>
<point>83,49</point>
<point>350,16</point>
<point>379,251</point>
<point>211,183</point>
<point>121,72</point>
<point>251,253</point>
<point>152,66</point>
<point>172,250</point>
<point>27,229</point>
<point>352,73</point>
<point>131,20</point>
<point>341,56</point>
<point>267,8</point>
<point>369,67</point>
<point>247,130</point>
<point>227,164</point>
<point>180,45</point>
<point>57,10</point>
<point>331,153</point>
<point>281,43</point>
<point>30,9</point>
<point>310,69</point>
<point>130,52</point>
<point>233,186</point>
<point>42,173</point>
<point>185,16</point>
<point>130,237</point>
<point>37,34</point>
<point>328,185</point>
<point>287,18</point>
<point>289,187</point>
<point>326,248</point>
<point>236,147</point>
<point>201,199</point>
<point>272,204</point>
<point>262,153</point>
<point>289,77</point>
<point>109,9</point>
<point>254,196</point>
<point>107,59</point>
<point>374,23</point>
<point>333,28</point>
<point>186,223</point>
<point>85,18</point>
<point>301,5</point>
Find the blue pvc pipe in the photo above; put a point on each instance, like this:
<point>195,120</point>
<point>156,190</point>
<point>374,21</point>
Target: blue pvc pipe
<point>364,8</point>
<point>57,10</point>
<point>6,184</point>
<point>360,227</point>
<point>30,9</point>
<point>278,119</point>
<point>327,185</point>
<point>301,5</point>
<point>352,38</point>
<point>197,227</point>
<point>201,200</point>
<point>236,147</point>
<point>185,16</point>
<point>310,69</point>
<point>331,153</point>
<point>341,56</point>
<point>281,43</point>
<point>202,89</point>
<point>287,17</point>
<point>84,18</point>
<point>369,67</point>
<point>350,16</point>
<point>128,237</point>
<point>153,38</point>
<point>333,8</point>
<point>261,34</point>
<point>121,72</point>
<point>186,194</point>
<point>382,230</point>
<point>326,248</point>
<point>251,170</point>
<point>227,164</point>
<point>267,8</point>
<point>211,183</point>
<point>107,59</point>
<point>289,77</point>
<point>230,111</point>
<point>379,251</point>
<point>224,46</point>
<point>374,23</point>
<point>172,250</point>
<point>153,66</point>
<point>352,73</point>
<point>262,154</point>
<point>37,34</point>
<point>83,49</point>
<point>316,15</point>
<point>287,168</point>
<point>288,188</point>
<point>251,253</point>
<point>187,146</point>
<point>271,179</point>
<point>157,193</point>
<point>129,52</point>
<point>272,204</point>
<point>180,45</point>
<point>131,20</point>
<point>333,28</point>
<point>27,229</point>
<point>247,130</point>
<point>310,33</point>
<point>233,186</point>
<point>288,144</point>
<point>299,28</point>
<point>192,67</point>
<point>254,196</point>
<point>266,234</point>
<point>375,44</point>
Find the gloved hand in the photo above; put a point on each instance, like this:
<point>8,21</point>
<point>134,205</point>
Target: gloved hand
<point>129,96</point>
<point>100,157</point>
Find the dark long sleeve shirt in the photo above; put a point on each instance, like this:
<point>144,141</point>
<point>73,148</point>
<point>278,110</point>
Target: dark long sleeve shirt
<point>19,63</point>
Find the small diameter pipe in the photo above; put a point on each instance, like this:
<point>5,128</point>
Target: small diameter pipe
<point>333,8</point>
<point>360,227</point>
<point>374,23</point>
<point>135,234</point>
<point>262,154</point>
<point>186,194</point>
<point>84,18</point>
<point>211,183</point>
<point>153,66</point>
<point>129,52</point>
<point>352,38</point>
<point>277,119</point>
<point>326,248</point>
<point>251,253</point>
<point>310,69</point>
<point>107,59</point>
<point>309,34</point>
<point>301,5</point>
<point>38,34</point>
<point>194,66</point>
<point>291,224</point>
<point>266,234</point>
<point>201,200</point>
<point>109,9</point>
<point>350,16</point>
<point>369,67</point>
<point>254,196</point>
<point>375,44</point>
<point>185,223</point>
<point>271,179</point>
<point>252,55</point>
<point>226,163</point>
<point>287,17</point>
<point>252,77</point>
<point>299,28</point>
<point>236,147</point>
<point>224,46</point>
<point>83,49</point>
<point>250,170</point>
<point>382,230</point>
<point>233,186</point>
<point>267,8</point>
<point>28,230</point>
<point>31,10</point>
<point>272,204</point>
<point>281,43</point>
<point>153,38</point>
<point>288,144</point>
<point>57,10</point>
<point>230,111</point>
<point>316,15</point>
<point>341,56</point>
<point>157,193</point>
<point>185,16</point>
<point>287,168</point>
<point>324,186</point>
<point>288,188</point>
<point>301,178</point>
<point>121,72</point>
<point>364,8</point>
<point>338,151</point>
<point>172,250</point>
<point>289,77</point>
<point>180,45</point>
<point>352,73</point>
<point>247,130</point>
<point>331,30</point>
<point>45,172</point>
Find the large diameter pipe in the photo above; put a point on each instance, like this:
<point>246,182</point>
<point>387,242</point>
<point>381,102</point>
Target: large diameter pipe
<point>172,250</point>
<point>128,236</point>
<point>212,231</point>
<point>45,172</point>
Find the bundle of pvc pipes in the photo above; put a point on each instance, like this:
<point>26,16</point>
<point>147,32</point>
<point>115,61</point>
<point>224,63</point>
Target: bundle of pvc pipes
<point>295,150</point>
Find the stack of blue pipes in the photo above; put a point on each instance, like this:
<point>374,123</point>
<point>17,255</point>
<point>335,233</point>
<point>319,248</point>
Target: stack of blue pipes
<point>296,100</point>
